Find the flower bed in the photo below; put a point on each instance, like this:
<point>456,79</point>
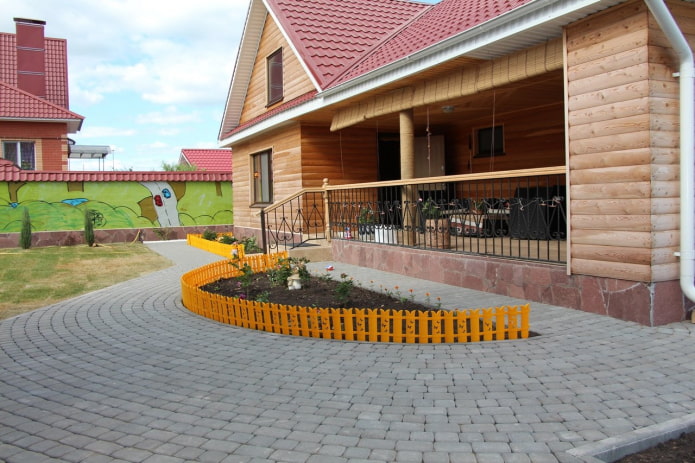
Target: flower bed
<point>236,250</point>
<point>373,325</point>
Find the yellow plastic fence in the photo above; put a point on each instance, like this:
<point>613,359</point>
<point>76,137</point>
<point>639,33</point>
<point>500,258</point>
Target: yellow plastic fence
<point>373,325</point>
<point>215,247</point>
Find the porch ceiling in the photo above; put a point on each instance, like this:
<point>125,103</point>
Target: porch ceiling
<point>538,91</point>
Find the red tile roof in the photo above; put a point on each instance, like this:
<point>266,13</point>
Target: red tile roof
<point>331,35</point>
<point>11,173</point>
<point>16,104</point>
<point>210,160</point>
<point>343,39</point>
<point>442,21</point>
<point>56,67</point>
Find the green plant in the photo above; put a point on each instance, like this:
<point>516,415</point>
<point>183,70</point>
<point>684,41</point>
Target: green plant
<point>226,239</point>
<point>209,235</point>
<point>89,227</point>
<point>278,275</point>
<point>367,216</point>
<point>250,245</point>
<point>25,234</point>
<point>246,276</point>
<point>430,209</point>
<point>263,297</point>
<point>342,291</point>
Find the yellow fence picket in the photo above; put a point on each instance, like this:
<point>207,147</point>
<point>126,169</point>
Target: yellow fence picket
<point>373,325</point>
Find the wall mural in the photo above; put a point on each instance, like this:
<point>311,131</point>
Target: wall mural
<point>61,205</point>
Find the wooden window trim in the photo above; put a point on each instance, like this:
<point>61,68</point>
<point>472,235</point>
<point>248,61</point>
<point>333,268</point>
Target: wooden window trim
<point>258,198</point>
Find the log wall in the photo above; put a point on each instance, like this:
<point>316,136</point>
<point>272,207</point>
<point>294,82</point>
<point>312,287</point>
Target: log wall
<point>623,144</point>
<point>286,167</point>
<point>295,80</point>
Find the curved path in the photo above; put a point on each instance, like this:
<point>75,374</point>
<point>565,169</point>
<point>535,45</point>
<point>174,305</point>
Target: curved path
<point>128,374</point>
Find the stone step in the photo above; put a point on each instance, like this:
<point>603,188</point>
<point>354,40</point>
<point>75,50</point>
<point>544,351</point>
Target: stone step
<point>314,251</point>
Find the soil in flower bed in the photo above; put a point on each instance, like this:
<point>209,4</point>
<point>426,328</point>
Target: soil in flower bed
<point>679,450</point>
<point>317,292</point>
<point>323,293</point>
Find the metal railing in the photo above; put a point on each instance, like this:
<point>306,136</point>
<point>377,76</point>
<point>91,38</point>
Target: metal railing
<point>294,221</point>
<point>517,214</point>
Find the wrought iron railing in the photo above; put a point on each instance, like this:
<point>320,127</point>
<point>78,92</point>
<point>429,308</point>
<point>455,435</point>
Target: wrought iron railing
<point>294,221</point>
<point>514,214</point>
<point>517,214</point>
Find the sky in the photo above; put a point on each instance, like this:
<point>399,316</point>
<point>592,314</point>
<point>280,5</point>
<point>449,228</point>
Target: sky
<point>150,76</point>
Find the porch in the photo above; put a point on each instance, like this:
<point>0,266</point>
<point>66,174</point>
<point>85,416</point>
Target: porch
<point>512,215</point>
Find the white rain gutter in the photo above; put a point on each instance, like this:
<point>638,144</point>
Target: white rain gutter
<point>687,148</point>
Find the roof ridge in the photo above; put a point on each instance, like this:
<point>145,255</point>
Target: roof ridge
<point>305,25</point>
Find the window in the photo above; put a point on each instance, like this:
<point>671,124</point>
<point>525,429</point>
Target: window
<point>20,152</point>
<point>490,142</point>
<point>274,70</point>
<point>261,164</point>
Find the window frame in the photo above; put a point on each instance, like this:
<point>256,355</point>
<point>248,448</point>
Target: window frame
<point>493,136</point>
<point>19,154</point>
<point>261,162</point>
<point>275,91</point>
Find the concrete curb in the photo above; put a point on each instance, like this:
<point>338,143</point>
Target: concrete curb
<point>615,448</point>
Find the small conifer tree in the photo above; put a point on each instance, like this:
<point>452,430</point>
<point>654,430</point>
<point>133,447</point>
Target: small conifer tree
<point>89,227</point>
<point>25,234</point>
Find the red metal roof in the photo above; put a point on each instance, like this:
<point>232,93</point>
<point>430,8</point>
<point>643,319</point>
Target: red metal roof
<point>210,160</point>
<point>442,21</point>
<point>331,35</point>
<point>11,173</point>
<point>56,67</point>
<point>18,104</point>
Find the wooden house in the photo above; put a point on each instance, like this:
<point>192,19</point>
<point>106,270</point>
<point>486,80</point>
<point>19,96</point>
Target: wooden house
<point>35,119</point>
<point>570,107</point>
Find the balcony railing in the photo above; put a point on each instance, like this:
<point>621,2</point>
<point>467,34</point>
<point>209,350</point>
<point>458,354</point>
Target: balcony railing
<point>513,214</point>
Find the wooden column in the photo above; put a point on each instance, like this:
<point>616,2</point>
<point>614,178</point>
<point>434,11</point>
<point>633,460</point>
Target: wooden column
<point>409,194</point>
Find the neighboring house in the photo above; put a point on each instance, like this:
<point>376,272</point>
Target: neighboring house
<point>562,105</point>
<point>35,119</point>
<point>211,160</point>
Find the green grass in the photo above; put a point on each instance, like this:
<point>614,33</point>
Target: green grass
<point>36,277</point>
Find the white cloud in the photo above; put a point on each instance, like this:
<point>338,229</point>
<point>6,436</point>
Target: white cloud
<point>105,132</point>
<point>170,115</point>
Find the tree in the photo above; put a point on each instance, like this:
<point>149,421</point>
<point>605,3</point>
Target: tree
<point>180,167</point>
<point>89,227</point>
<point>25,234</point>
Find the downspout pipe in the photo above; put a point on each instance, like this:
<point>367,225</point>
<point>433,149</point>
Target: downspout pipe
<point>673,33</point>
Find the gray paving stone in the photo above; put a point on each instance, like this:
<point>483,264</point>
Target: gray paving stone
<point>127,372</point>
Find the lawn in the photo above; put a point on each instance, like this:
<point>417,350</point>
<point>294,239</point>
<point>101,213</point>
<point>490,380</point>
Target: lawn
<point>37,277</point>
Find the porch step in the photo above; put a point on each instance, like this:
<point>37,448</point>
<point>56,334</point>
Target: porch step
<point>314,251</point>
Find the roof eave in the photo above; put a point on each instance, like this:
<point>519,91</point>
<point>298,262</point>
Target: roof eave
<point>526,26</point>
<point>243,67</point>
<point>73,125</point>
<point>273,122</point>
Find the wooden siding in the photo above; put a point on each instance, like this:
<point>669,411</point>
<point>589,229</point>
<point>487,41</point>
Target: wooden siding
<point>347,156</point>
<point>295,80</point>
<point>532,138</point>
<point>285,146</point>
<point>623,145</point>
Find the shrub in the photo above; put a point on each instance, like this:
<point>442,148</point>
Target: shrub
<point>226,239</point>
<point>209,235</point>
<point>89,227</point>
<point>25,235</point>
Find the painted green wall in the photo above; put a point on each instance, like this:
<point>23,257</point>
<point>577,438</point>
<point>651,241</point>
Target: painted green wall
<point>57,206</point>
